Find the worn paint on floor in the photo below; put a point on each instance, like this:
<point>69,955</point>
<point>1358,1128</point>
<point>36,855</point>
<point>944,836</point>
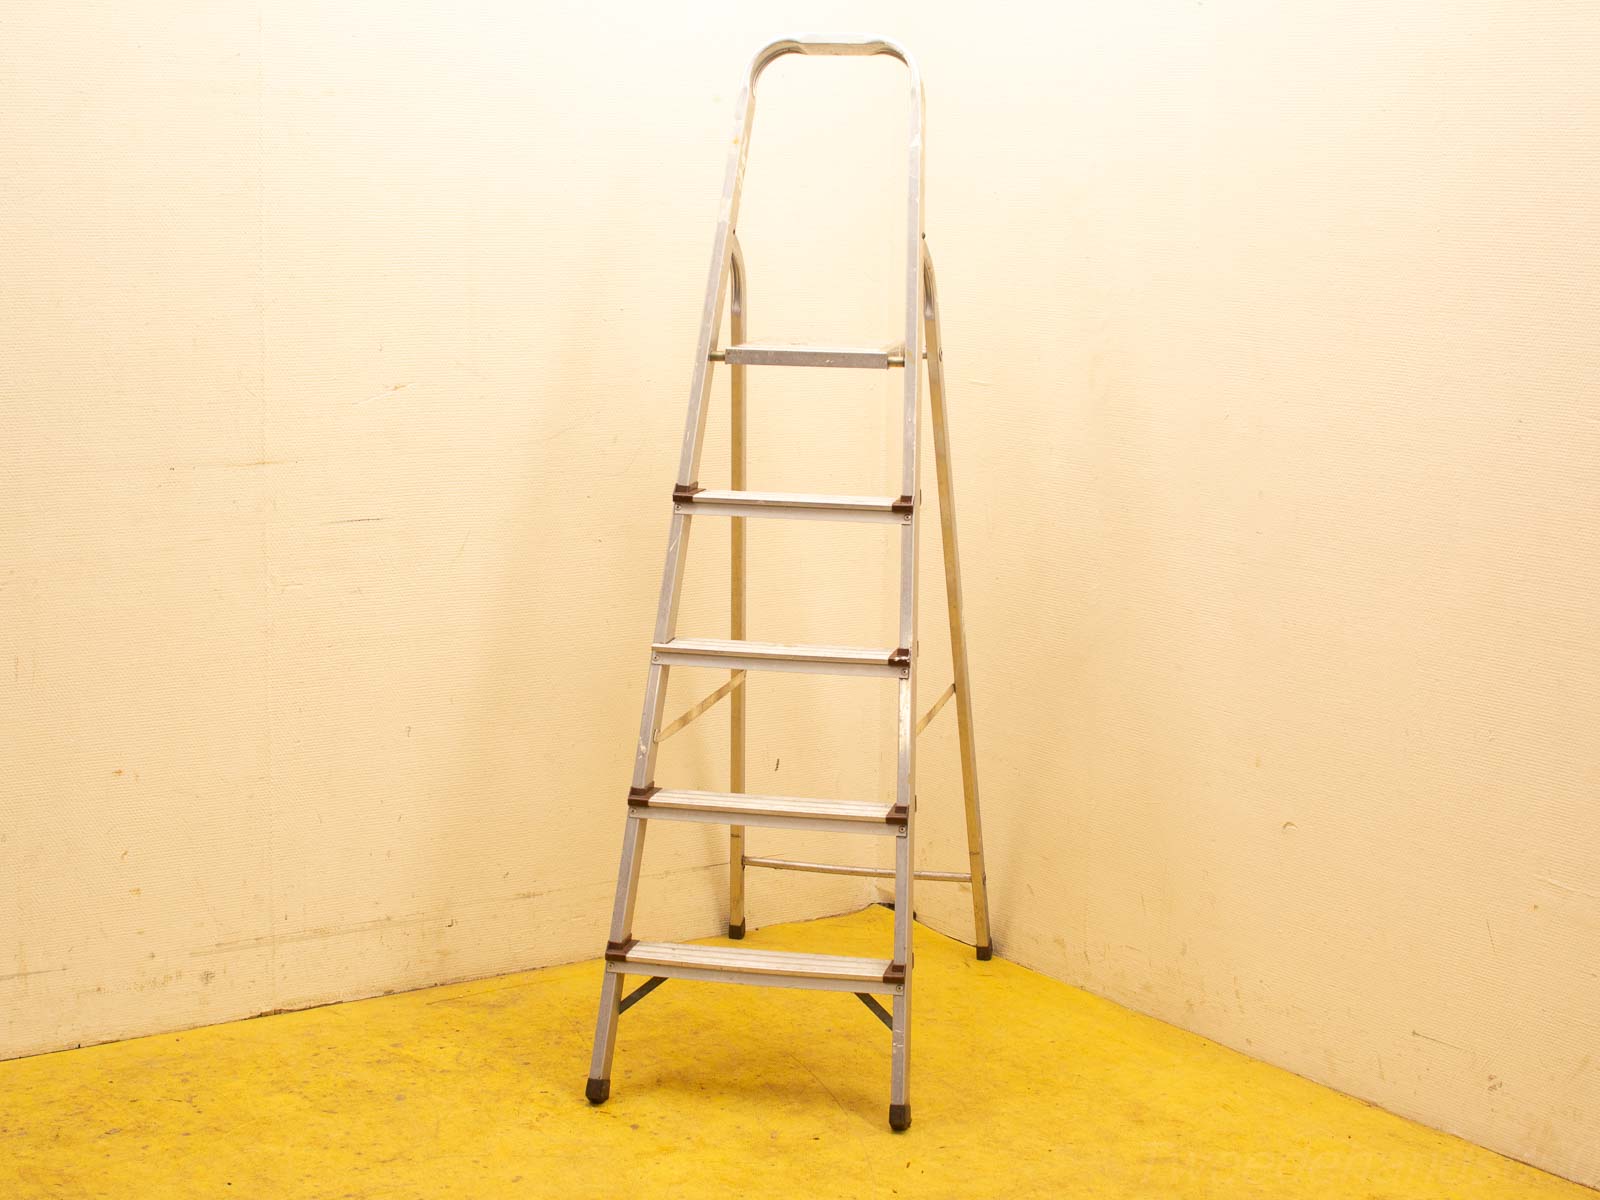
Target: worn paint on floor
<point>1021,1086</point>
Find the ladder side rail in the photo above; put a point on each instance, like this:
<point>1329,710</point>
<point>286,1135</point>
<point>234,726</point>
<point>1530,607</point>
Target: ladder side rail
<point>910,476</point>
<point>736,579</point>
<point>644,763</point>
<point>694,432</point>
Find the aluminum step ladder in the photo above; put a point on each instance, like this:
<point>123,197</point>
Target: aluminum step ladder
<point>867,978</point>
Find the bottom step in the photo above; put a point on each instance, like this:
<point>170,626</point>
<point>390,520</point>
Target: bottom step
<point>764,968</point>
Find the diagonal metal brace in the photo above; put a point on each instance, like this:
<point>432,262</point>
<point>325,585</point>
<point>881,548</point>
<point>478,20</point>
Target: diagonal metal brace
<point>944,698</point>
<point>877,1009</point>
<point>640,992</point>
<point>736,682</point>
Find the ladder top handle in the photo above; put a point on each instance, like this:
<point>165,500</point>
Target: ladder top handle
<point>853,45</point>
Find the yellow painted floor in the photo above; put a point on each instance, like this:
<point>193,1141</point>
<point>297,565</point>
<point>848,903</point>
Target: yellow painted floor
<point>1021,1087</point>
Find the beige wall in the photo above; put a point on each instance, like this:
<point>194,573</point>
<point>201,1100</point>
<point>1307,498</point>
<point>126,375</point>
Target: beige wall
<point>344,357</point>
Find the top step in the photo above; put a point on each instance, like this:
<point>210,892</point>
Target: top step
<point>879,358</point>
<point>773,656</point>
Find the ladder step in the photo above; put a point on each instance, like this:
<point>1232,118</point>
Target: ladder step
<point>879,358</point>
<point>785,812</point>
<point>800,505</point>
<point>765,968</point>
<point>770,656</point>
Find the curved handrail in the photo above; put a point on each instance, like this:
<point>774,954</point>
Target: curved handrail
<point>847,46</point>
<point>721,253</point>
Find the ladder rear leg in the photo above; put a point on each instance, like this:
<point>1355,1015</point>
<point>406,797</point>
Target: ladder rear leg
<point>958,634</point>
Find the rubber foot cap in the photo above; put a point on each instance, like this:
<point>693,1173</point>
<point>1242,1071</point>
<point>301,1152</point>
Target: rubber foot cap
<point>598,1091</point>
<point>985,953</point>
<point>899,1117</point>
<point>736,932</point>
